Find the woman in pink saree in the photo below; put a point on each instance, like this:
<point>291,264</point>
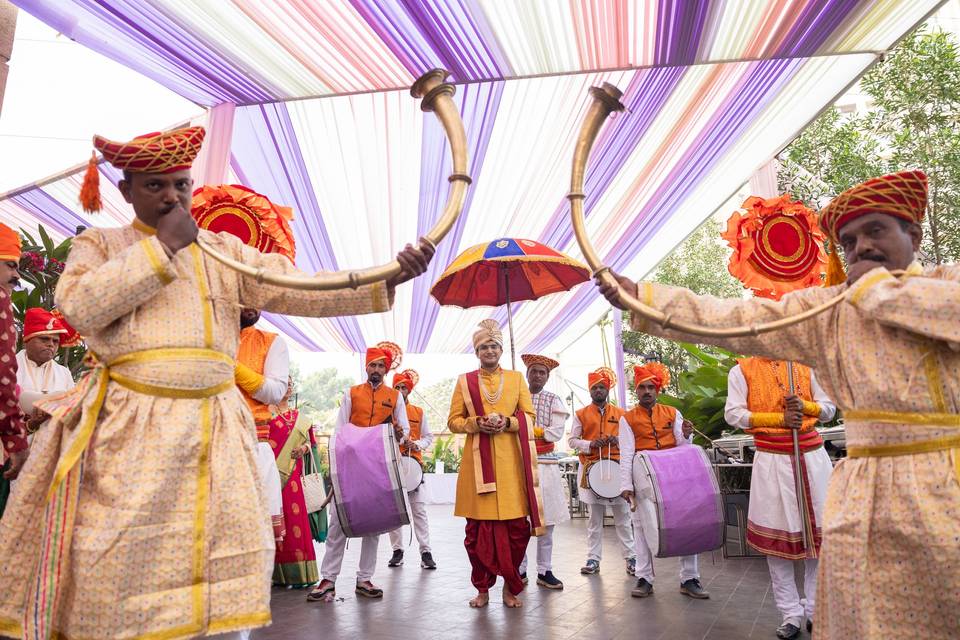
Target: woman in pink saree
<point>291,437</point>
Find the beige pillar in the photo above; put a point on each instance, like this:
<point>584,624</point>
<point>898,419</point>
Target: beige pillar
<point>8,25</point>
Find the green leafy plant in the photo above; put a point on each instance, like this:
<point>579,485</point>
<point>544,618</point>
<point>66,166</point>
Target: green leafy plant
<point>703,390</point>
<point>446,450</point>
<point>41,264</point>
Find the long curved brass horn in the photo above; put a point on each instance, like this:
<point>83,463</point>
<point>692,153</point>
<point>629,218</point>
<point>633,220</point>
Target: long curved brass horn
<point>606,98</point>
<point>436,95</point>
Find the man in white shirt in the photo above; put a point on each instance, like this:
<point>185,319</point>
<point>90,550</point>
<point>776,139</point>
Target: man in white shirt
<point>419,440</point>
<point>653,426</point>
<point>759,401</point>
<point>37,371</point>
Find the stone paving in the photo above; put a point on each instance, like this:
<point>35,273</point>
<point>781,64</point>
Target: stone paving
<point>433,604</point>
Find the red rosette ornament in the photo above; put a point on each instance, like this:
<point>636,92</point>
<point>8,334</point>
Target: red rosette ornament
<point>777,246</point>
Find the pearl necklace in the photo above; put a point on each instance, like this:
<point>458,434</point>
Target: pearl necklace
<point>493,398</point>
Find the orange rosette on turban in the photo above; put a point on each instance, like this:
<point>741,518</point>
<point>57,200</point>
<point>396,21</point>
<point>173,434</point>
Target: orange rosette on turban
<point>606,375</point>
<point>389,352</point>
<point>655,371</point>
<point>246,214</point>
<point>408,377</point>
<point>777,246</point>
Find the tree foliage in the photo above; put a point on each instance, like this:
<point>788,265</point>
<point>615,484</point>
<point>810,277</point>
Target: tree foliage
<point>913,121</point>
<point>698,264</point>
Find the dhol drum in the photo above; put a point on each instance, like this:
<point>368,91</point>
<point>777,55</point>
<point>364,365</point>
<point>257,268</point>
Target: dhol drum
<point>367,484</point>
<point>603,478</point>
<point>412,471</point>
<point>678,500</point>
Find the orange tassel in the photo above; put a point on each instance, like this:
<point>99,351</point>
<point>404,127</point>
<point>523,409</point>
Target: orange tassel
<point>836,273</point>
<point>90,191</point>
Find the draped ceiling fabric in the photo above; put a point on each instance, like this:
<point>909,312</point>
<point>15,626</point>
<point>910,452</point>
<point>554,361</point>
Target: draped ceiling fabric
<point>324,123</point>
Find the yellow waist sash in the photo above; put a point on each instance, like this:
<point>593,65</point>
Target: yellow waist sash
<point>907,448</point>
<point>107,373</point>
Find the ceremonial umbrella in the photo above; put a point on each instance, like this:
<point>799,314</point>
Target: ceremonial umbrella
<point>504,271</point>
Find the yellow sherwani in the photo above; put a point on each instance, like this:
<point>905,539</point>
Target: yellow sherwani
<point>890,356</point>
<point>509,501</point>
<point>171,535</point>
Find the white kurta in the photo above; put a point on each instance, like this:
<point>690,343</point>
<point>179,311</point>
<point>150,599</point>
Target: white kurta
<point>583,446</point>
<point>418,509</point>
<point>552,417</point>
<point>49,377</point>
<point>773,496</point>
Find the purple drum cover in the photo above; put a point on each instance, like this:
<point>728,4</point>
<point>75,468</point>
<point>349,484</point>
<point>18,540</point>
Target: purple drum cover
<point>688,497</point>
<point>369,496</point>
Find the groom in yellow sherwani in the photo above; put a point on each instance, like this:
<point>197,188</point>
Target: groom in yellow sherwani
<point>139,513</point>
<point>889,354</point>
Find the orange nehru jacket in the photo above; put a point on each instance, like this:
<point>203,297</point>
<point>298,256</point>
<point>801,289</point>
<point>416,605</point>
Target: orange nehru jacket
<point>596,425</point>
<point>370,407</point>
<point>252,354</point>
<point>767,386</point>
<point>654,429</point>
<point>415,418</point>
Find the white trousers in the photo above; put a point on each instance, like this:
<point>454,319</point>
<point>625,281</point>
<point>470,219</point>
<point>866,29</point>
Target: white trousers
<point>688,564</point>
<point>791,607</point>
<point>233,635</point>
<point>337,543</point>
<point>544,552</point>
<point>621,522</point>
<point>420,526</point>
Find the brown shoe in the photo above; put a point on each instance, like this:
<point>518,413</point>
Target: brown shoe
<point>367,590</point>
<point>322,590</point>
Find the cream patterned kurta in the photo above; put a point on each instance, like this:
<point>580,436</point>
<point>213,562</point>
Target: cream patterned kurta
<point>890,565</point>
<point>171,536</point>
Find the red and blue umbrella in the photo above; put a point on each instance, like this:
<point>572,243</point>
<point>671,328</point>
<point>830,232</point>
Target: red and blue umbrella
<point>507,270</point>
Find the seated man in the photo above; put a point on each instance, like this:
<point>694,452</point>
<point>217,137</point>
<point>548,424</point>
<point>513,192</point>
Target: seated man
<point>37,371</point>
<point>365,405</point>
<point>651,425</point>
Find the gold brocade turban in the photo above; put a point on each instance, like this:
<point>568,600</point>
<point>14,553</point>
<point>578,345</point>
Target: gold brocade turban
<point>489,331</point>
<point>156,152</point>
<point>901,195</point>
<point>530,359</point>
<point>654,371</point>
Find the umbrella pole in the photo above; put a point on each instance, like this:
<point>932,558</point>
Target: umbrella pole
<point>513,353</point>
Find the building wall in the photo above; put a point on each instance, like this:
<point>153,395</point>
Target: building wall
<point>8,26</point>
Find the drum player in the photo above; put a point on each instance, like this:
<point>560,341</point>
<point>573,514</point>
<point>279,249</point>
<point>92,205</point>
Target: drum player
<point>651,425</point>
<point>594,435</point>
<point>365,405</point>
<point>420,439</point>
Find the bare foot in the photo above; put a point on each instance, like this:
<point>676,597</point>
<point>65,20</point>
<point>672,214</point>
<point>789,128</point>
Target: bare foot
<point>510,600</point>
<point>480,601</point>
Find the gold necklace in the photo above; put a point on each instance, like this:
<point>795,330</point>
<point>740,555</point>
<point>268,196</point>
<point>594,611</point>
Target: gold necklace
<point>494,398</point>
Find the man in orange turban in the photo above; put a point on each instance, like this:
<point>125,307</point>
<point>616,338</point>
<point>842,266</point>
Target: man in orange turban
<point>889,356</point>
<point>593,435</point>
<point>164,320</point>
<point>412,448</point>
<point>13,432</point>
<point>647,426</point>
<point>369,404</point>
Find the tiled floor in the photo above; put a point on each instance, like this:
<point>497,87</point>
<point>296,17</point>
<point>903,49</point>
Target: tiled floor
<point>433,604</point>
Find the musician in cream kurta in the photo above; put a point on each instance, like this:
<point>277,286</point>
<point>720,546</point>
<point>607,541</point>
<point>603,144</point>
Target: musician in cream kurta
<point>889,356</point>
<point>156,524</point>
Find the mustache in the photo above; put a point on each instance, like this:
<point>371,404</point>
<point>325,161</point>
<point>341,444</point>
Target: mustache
<point>873,257</point>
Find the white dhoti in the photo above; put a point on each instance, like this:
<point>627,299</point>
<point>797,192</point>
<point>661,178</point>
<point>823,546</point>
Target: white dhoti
<point>272,488</point>
<point>774,525</point>
<point>336,544</point>
<point>555,511</point>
